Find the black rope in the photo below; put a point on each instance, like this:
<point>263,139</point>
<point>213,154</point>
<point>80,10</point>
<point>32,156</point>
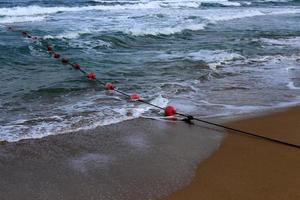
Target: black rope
<point>249,133</point>
<point>187,118</point>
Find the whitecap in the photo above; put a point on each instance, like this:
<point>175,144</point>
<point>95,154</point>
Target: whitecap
<point>18,19</point>
<point>291,86</point>
<point>139,31</point>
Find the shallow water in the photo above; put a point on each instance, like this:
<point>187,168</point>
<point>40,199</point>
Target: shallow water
<point>208,58</point>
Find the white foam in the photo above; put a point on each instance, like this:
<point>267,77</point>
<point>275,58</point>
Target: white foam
<point>181,3</point>
<point>292,41</point>
<point>180,22</point>
<point>165,30</point>
<point>18,19</point>
<point>212,57</point>
<point>290,68</point>
<point>43,126</point>
<point>38,10</point>
<point>222,2</point>
<point>225,15</point>
<point>71,34</point>
<point>291,85</point>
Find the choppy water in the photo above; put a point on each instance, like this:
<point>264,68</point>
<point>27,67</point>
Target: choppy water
<point>206,57</point>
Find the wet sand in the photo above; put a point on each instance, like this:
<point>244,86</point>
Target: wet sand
<point>133,160</point>
<point>249,168</point>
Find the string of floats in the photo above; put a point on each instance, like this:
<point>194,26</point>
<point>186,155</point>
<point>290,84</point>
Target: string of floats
<point>169,111</point>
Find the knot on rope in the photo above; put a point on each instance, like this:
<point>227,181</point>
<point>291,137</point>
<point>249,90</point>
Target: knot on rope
<point>188,119</point>
<point>109,87</point>
<point>135,97</point>
<point>65,61</point>
<point>91,75</point>
<point>76,66</point>
<point>170,111</point>
<point>56,55</point>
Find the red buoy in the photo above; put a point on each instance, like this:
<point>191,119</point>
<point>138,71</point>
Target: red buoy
<point>109,86</point>
<point>91,75</point>
<point>135,97</point>
<point>56,55</point>
<point>65,61</point>
<point>170,111</point>
<point>49,48</point>
<point>76,66</point>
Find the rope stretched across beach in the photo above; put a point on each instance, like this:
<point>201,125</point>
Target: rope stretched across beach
<point>169,111</point>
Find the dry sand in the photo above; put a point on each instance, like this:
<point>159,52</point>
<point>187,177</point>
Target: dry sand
<point>250,168</point>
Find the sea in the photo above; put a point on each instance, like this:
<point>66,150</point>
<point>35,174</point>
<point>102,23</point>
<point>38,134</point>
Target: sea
<point>207,58</point>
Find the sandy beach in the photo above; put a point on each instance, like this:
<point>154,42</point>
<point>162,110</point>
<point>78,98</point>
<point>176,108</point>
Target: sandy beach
<point>149,159</point>
<point>249,168</point>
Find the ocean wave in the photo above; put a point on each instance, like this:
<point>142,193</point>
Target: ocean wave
<point>210,17</point>
<point>140,31</point>
<point>291,86</point>
<point>282,42</point>
<point>70,34</point>
<point>39,10</point>
<point>212,57</point>
<point>227,15</point>
<point>178,4</point>
<point>18,19</point>
<point>81,119</point>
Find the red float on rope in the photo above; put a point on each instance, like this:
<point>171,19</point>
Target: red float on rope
<point>76,66</point>
<point>56,55</point>
<point>170,111</point>
<point>135,97</point>
<point>91,75</point>
<point>65,61</point>
<point>109,87</point>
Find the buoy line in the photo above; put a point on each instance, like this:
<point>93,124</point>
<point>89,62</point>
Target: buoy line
<point>169,111</point>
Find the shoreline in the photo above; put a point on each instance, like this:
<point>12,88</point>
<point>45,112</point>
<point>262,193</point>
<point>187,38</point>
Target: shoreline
<point>150,159</point>
<point>249,168</point>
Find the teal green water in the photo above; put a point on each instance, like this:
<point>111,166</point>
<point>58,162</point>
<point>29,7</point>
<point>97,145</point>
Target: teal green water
<point>208,58</point>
